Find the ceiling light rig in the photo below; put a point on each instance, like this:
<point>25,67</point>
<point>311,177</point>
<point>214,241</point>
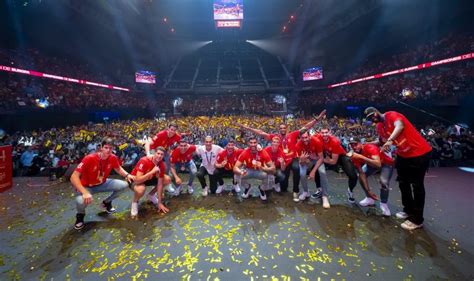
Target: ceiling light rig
<point>291,19</point>
<point>166,23</point>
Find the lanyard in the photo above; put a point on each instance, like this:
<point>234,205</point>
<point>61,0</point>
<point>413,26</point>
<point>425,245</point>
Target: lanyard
<point>208,158</point>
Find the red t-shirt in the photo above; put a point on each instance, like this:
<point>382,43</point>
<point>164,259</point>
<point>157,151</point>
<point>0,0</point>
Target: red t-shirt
<point>231,158</point>
<point>368,150</point>
<point>162,139</point>
<point>409,142</point>
<point>379,128</point>
<point>178,157</point>
<point>313,147</point>
<point>287,143</point>
<point>275,155</point>
<point>95,171</point>
<point>145,165</point>
<point>248,158</point>
<point>332,146</point>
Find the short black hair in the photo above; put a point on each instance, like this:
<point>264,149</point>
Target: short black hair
<point>107,140</point>
<point>172,125</point>
<point>252,137</point>
<point>160,148</point>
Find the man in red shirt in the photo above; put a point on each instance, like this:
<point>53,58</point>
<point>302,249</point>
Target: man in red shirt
<point>258,165</point>
<point>368,159</point>
<point>275,152</point>
<point>91,176</point>
<point>309,150</point>
<point>166,139</point>
<point>181,160</point>
<point>335,154</point>
<point>413,158</point>
<point>288,141</point>
<point>225,162</point>
<point>150,170</point>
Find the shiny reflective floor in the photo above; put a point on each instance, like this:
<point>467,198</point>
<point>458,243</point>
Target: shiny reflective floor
<point>227,238</point>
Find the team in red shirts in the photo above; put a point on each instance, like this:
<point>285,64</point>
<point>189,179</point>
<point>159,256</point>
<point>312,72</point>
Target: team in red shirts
<point>298,151</point>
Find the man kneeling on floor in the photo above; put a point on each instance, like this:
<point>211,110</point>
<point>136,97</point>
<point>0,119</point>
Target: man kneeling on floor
<point>258,165</point>
<point>91,176</point>
<point>150,170</point>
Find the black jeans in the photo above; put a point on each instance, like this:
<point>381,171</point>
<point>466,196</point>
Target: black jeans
<point>295,167</point>
<point>279,176</point>
<point>201,175</point>
<point>348,168</point>
<point>411,176</point>
<point>221,172</point>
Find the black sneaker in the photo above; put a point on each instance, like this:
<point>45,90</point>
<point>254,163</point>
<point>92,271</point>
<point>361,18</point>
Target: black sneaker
<point>317,194</point>
<point>108,207</point>
<point>350,196</point>
<point>79,221</point>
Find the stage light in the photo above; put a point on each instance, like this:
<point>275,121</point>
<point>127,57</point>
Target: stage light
<point>177,102</point>
<point>467,169</point>
<point>165,19</point>
<point>279,99</point>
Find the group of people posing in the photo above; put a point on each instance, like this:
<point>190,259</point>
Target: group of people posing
<point>299,153</point>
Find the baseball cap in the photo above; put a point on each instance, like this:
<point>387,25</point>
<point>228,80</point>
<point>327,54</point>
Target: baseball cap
<point>370,111</point>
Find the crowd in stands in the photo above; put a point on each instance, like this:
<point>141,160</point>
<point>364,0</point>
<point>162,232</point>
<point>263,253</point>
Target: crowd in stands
<point>431,85</point>
<point>33,59</point>
<point>446,47</point>
<point>50,152</point>
<point>20,92</point>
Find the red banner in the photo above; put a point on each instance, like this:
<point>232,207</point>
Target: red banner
<point>6,166</point>
<point>406,69</point>
<point>62,78</point>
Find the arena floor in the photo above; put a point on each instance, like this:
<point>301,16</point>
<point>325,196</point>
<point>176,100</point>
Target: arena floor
<point>223,238</point>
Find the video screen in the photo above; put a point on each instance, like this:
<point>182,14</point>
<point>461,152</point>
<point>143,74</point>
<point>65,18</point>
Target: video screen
<point>147,77</point>
<point>228,10</point>
<point>313,73</point>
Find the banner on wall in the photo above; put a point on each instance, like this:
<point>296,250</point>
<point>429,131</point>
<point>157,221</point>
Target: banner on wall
<point>6,166</point>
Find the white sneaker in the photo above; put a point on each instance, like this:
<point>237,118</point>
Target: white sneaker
<point>367,202</point>
<point>177,190</point>
<point>303,196</point>
<point>246,193</point>
<point>408,225</point>
<point>277,188</point>
<point>169,188</point>
<point>134,209</point>
<point>385,209</point>
<point>263,195</point>
<point>295,197</point>
<point>153,199</point>
<point>401,215</point>
<point>326,204</point>
<point>190,189</point>
<point>219,189</point>
<point>205,191</point>
<point>237,188</point>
